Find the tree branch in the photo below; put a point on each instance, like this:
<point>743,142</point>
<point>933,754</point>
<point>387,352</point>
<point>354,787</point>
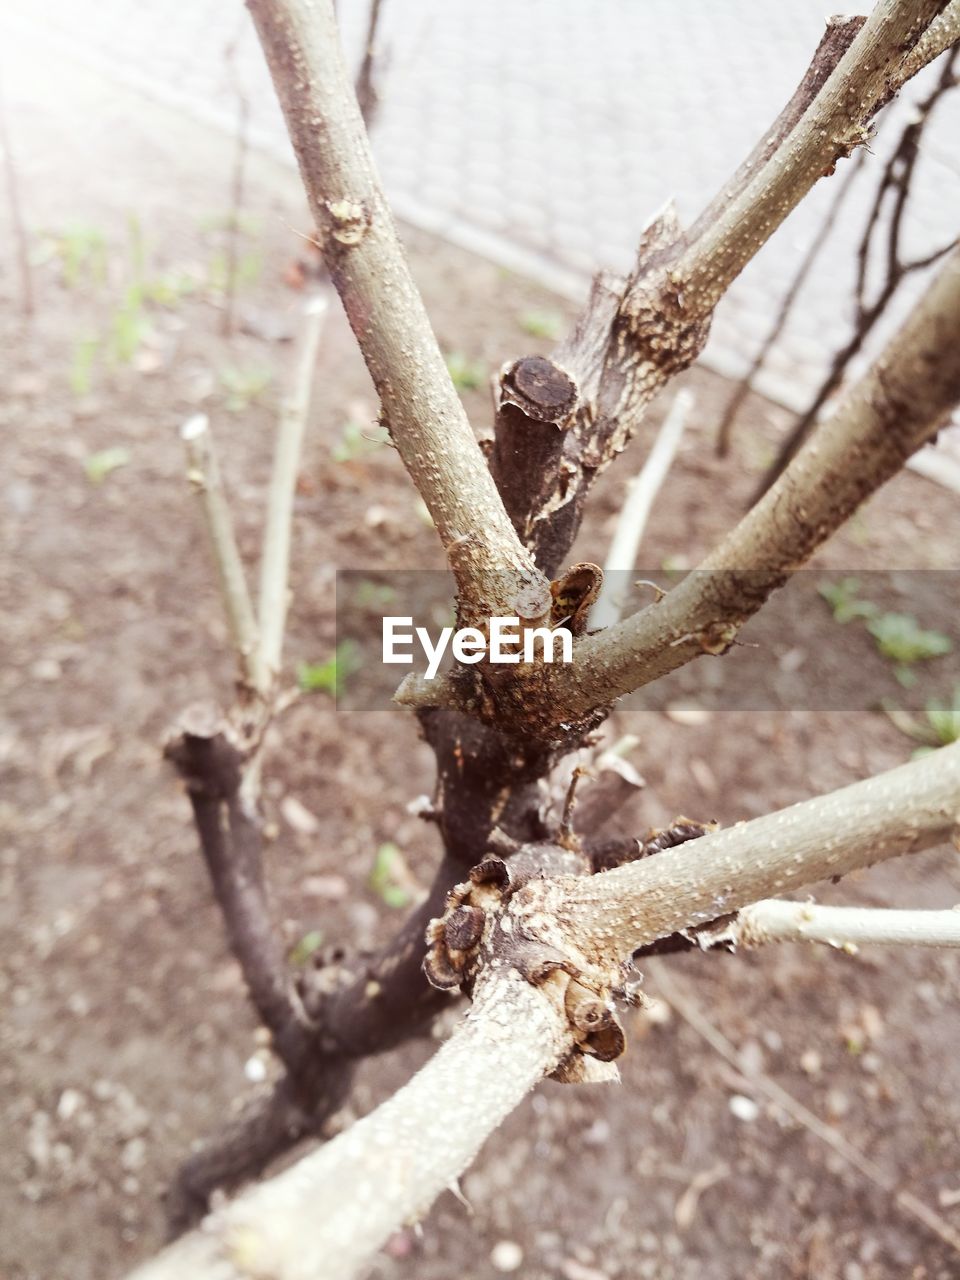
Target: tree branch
<point>495,573</point>
<point>325,1216</point>
<point>773,920</point>
<point>895,409</point>
<point>203,472</point>
<point>275,562</point>
<point>833,126</point>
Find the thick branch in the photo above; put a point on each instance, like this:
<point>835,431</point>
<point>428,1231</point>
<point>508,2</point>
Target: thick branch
<point>773,920</point>
<point>495,573</point>
<point>324,1217</point>
<point>909,808</point>
<point>892,412</point>
<point>834,125</point>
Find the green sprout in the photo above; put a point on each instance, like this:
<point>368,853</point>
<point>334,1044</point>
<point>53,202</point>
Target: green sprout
<point>842,598</point>
<point>390,879</point>
<point>904,642</point>
<point>541,324</point>
<point>99,465</point>
<point>466,374</point>
<point>940,727</point>
<point>301,951</point>
<point>330,676</point>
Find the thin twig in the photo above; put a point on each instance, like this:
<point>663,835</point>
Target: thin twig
<point>895,181</point>
<point>641,494</point>
<point>774,920</point>
<point>669,988</point>
<point>275,562</point>
<point>16,215</point>
<point>203,472</point>
<point>745,385</point>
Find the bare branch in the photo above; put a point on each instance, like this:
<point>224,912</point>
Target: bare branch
<point>773,920</point>
<point>909,808</point>
<point>895,409</point>
<point>495,573</point>
<point>942,32</point>
<point>203,472</point>
<point>641,494</point>
<point>889,414</point>
<point>275,563</point>
<point>325,1216</point>
<point>391,1165</point>
<point>745,385</point>
<point>833,126</point>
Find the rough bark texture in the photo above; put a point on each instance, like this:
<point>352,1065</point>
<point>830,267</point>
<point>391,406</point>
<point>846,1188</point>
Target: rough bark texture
<point>362,251</point>
<point>549,952</point>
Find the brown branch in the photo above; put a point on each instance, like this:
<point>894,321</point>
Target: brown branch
<point>210,762</point>
<point>895,181</point>
<point>895,409</point>
<point>495,574</point>
<point>634,336</point>
<point>745,385</point>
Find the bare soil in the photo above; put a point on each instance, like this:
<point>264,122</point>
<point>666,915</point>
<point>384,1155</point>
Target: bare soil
<point>125,1032</point>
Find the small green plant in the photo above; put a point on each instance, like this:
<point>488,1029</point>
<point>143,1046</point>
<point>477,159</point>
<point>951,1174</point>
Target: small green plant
<point>904,642</point>
<point>357,441</point>
<point>940,727</point>
<point>128,327</point>
<point>374,595</point>
<point>330,676</point>
<point>81,367</point>
<point>301,951</point>
<point>390,878</point>
<point>842,598</point>
<point>243,386</point>
<point>99,465</point>
<point>467,374</point>
<point>246,272</point>
<point>82,252</point>
<point>170,288</point>
<point>541,324</point>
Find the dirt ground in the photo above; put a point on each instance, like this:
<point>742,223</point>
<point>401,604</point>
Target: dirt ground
<point>125,1034</point>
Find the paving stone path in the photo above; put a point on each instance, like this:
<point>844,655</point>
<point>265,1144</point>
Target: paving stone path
<point>545,132</point>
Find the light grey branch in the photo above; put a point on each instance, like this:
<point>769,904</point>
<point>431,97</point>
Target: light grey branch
<point>427,422</point>
<point>912,807</point>
<point>847,928</point>
<point>275,563</point>
<point>203,472</point>
<point>325,1216</point>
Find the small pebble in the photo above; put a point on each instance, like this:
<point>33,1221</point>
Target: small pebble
<point>506,1256</point>
<point>743,1108</point>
